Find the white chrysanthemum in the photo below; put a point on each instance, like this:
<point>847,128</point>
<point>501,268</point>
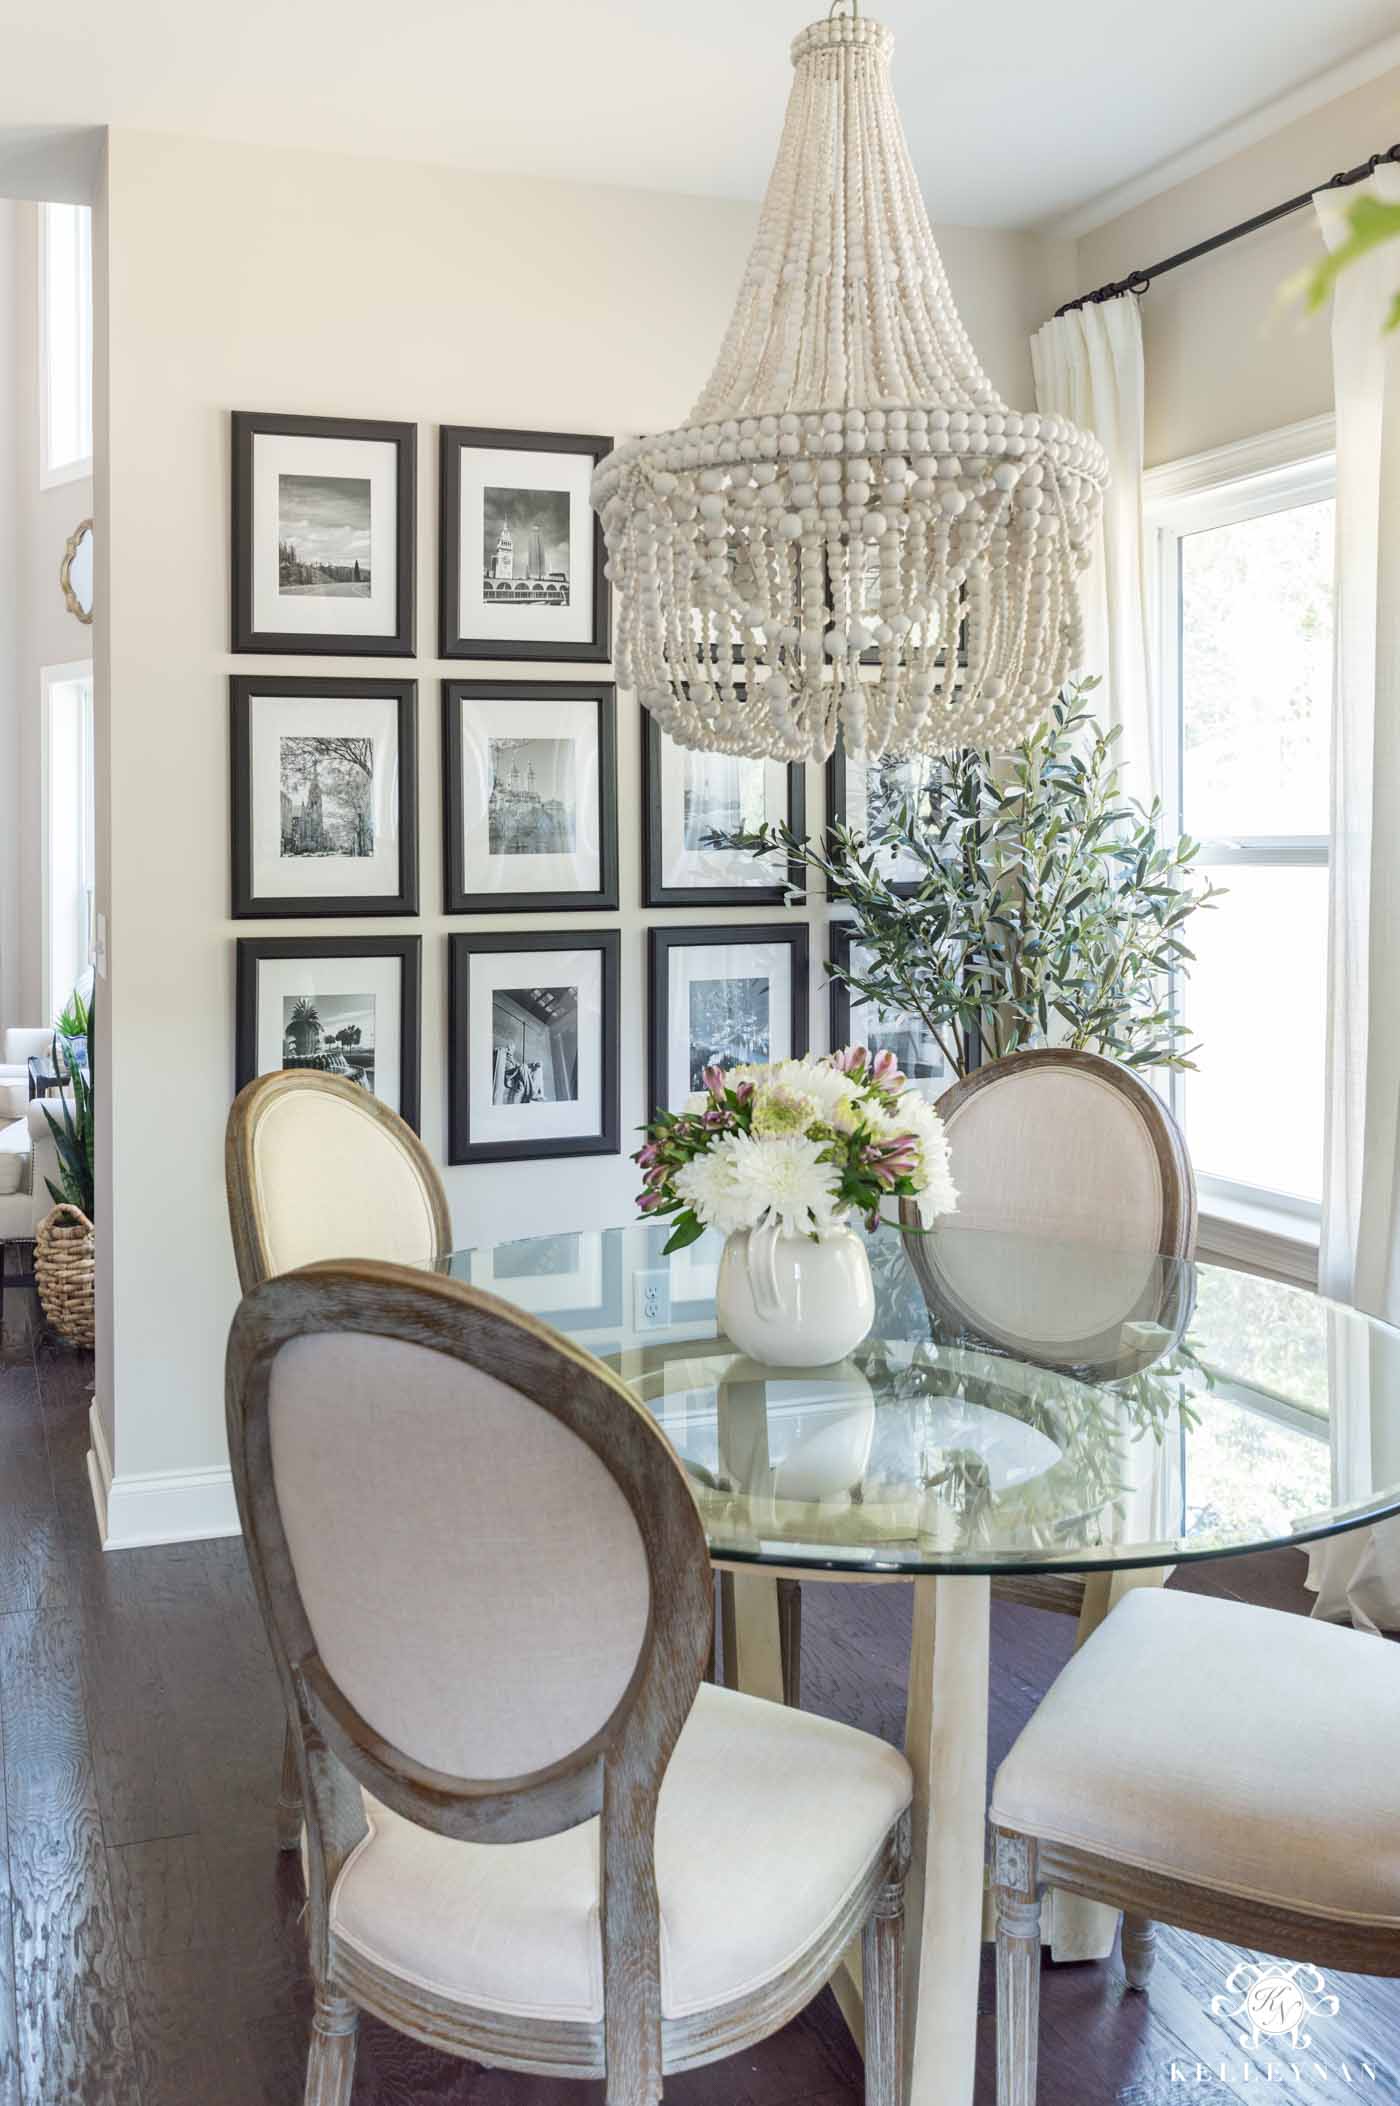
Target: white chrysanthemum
<point>707,1185</point>
<point>778,1110</point>
<point>785,1181</point>
<point>810,1077</point>
<point>933,1177</point>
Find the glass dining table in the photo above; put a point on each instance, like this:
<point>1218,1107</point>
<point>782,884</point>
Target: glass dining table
<point>1066,1419</point>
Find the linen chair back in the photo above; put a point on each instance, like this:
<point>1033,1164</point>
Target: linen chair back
<point>485,1580</point>
<point>316,1167</point>
<point>1065,1144</point>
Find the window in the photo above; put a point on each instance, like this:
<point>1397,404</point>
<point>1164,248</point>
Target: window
<point>69,847</point>
<point>1244,579</point>
<point>65,346</point>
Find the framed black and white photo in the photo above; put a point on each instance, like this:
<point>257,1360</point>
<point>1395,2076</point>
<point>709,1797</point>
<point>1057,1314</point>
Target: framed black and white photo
<point>573,1280</point>
<point>533,1045</point>
<point>868,796</point>
<point>324,777</point>
<point>520,547</point>
<point>324,526</point>
<point>343,1005</point>
<point>857,1021</point>
<point>725,996</point>
<point>529,795</point>
<point>688,796</point>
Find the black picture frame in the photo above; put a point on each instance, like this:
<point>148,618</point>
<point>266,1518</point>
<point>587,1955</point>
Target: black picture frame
<point>455,439</point>
<point>839,938</point>
<point>456,898</point>
<point>661,942</point>
<point>247,427</point>
<point>461,949</point>
<point>656,893</point>
<point>253,951</point>
<point>244,690</point>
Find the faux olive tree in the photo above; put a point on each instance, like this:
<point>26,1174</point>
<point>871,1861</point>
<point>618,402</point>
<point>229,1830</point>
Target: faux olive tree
<point>1047,909</point>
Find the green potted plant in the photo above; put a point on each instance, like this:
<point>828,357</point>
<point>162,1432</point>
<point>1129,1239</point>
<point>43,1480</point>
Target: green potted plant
<point>64,1242</point>
<point>1047,908</point>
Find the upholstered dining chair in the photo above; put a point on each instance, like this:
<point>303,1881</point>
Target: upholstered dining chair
<point>1069,1146</point>
<point>533,1837</point>
<point>1204,1763</point>
<point>316,1167</point>
<point>1063,1144</point>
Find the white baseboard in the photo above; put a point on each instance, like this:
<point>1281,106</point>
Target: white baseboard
<point>166,1506</point>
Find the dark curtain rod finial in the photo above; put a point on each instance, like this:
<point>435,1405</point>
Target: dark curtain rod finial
<point>1138,282</point>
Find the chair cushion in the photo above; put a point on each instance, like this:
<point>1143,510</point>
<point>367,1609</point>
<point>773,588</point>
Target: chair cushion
<point>768,1819</point>
<point>14,1094</point>
<point>1237,1748</point>
<point>16,1156</point>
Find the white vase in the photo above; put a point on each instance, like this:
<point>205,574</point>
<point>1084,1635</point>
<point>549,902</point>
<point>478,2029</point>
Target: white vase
<point>790,1301</point>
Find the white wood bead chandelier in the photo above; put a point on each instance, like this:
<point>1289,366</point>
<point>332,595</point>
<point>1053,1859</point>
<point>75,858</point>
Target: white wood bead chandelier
<point>853,531</point>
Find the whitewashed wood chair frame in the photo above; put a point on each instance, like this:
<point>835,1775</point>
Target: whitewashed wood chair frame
<point>616,1774</point>
<point>258,1244</point>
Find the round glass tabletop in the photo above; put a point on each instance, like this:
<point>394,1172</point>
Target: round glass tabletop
<point>1020,1404</point>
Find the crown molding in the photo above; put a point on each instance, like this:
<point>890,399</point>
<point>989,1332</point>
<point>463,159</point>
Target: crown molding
<point>1230,139</point>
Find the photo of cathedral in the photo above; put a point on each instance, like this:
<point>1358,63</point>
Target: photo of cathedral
<point>525,538</point>
<point>533,805</point>
<point>327,793</point>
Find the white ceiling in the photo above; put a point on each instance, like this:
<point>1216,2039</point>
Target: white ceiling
<point>1018,112</point>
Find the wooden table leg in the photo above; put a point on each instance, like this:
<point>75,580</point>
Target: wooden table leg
<point>945,1738</point>
<point>750,1633</point>
<point>1076,1929</point>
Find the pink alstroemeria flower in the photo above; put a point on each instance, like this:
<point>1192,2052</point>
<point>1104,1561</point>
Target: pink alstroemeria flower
<point>648,1202</point>
<point>884,1071</point>
<point>714,1081</point>
<point>645,1157</point>
<point>850,1060</point>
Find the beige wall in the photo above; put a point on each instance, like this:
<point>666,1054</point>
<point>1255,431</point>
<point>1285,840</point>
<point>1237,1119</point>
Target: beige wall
<point>242,278</point>
<point>1226,357</point>
<point>36,629</point>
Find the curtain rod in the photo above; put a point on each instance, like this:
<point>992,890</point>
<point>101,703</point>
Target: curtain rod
<point>1139,281</point>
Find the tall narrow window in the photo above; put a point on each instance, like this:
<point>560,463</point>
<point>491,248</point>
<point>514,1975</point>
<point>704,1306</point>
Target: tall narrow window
<point>69,846</point>
<point>1245,573</point>
<point>65,351</point>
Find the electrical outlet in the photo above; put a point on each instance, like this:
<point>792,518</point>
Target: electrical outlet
<point>651,1300</point>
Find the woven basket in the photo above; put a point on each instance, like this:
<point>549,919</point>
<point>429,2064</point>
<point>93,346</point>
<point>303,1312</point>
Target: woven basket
<point>64,1266</point>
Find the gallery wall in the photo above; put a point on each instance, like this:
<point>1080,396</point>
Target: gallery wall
<point>287,281</point>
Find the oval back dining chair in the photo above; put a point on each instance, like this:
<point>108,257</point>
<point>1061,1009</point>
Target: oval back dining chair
<point>533,1839</point>
<point>1068,1147</point>
<point>316,1167</point>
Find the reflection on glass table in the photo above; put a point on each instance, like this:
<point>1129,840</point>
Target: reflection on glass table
<point>1020,1405</point>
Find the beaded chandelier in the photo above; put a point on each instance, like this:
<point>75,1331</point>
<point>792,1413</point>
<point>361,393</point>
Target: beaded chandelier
<point>853,532</point>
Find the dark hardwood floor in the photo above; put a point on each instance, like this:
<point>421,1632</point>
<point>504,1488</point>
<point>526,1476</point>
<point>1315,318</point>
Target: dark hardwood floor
<point>150,1949</point>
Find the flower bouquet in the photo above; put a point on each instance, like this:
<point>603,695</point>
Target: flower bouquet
<point>777,1157</point>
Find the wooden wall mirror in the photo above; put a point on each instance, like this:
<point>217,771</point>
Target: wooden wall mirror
<point>75,571</point>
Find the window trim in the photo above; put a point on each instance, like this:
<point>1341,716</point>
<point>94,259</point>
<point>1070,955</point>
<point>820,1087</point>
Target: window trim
<point>1273,472</point>
<point>54,474</point>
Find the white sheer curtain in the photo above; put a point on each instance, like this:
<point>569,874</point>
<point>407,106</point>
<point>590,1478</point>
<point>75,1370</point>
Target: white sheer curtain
<point>1359,1575</point>
<point>1088,367</point>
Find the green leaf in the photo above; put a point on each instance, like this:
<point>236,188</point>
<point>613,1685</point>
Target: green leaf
<point>688,1229</point>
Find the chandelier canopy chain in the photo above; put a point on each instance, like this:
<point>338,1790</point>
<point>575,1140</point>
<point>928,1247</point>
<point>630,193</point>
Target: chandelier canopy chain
<point>853,532</point>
